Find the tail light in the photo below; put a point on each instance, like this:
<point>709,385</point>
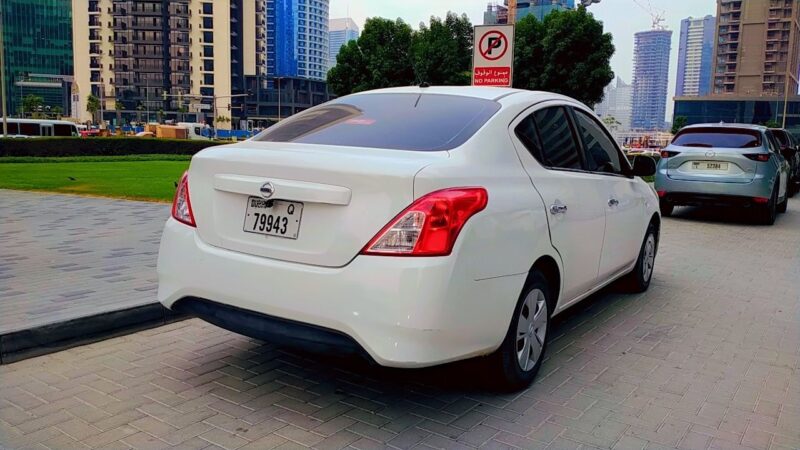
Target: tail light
<point>761,200</point>
<point>430,226</point>
<point>668,154</point>
<point>762,157</point>
<point>181,205</point>
<point>662,193</point>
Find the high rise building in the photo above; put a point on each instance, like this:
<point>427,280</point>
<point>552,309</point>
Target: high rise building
<point>496,13</point>
<point>650,78</point>
<point>299,45</point>
<point>37,37</point>
<point>340,32</point>
<point>155,56</point>
<point>695,56</point>
<point>510,11</point>
<point>757,49</point>
<point>617,97</point>
<point>540,8</point>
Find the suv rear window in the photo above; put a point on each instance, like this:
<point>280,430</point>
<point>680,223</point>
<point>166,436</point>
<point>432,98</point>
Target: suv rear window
<point>421,122</point>
<point>718,137</point>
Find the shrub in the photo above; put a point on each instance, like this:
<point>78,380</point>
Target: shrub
<point>100,146</point>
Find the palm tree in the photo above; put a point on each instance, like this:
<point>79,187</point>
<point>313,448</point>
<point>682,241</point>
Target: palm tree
<point>118,107</point>
<point>92,106</point>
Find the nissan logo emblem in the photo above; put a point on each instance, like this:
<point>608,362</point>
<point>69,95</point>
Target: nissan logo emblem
<point>710,154</point>
<point>267,189</point>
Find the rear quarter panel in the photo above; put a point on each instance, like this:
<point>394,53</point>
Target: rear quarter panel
<point>512,232</point>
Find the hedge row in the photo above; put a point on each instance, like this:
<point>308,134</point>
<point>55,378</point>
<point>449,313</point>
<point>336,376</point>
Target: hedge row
<point>100,146</point>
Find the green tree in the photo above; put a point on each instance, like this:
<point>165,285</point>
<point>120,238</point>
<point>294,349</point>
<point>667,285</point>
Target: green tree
<point>772,123</point>
<point>611,122</point>
<point>92,106</point>
<point>680,122</point>
<point>31,104</point>
<point>380,57</point>
<point>57,111</point>
<point>442,51</point>
<point>567,53</point>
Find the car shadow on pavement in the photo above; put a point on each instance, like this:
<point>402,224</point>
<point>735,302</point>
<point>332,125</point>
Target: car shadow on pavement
<point>733,216</point>
<point>468,376</point>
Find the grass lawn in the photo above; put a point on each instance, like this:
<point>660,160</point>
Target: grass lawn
<point>142,177</point>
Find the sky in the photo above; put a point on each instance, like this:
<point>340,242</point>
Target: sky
<point>622,18</point>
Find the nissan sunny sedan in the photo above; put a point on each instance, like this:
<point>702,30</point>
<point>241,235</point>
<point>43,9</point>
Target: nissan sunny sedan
<point>415,226</point>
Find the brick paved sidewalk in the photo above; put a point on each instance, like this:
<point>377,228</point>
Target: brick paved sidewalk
<point>706,359</point>
<point>64,257</point>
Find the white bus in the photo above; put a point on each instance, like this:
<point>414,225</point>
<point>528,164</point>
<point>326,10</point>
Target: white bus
<point>39,128</point>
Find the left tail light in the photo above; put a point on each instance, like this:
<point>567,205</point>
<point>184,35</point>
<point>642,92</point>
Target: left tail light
<point>181,205</point>
<point>761,157</point>
<point>430,226</point>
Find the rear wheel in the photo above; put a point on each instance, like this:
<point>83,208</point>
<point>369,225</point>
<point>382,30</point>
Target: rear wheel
<point>768,212</point>
<point>785,203</point>
<point>515,364</point>
<point>666,208</point>
<point>639,279</point>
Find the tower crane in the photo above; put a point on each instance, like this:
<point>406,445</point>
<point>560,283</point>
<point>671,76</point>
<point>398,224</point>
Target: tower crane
<point>656,14</point>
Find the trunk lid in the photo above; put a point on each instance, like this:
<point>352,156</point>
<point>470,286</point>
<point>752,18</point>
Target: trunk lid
<point>338,197</point>
<point>721,165</point>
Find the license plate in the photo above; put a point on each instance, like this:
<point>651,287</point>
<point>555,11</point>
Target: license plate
<point>273,217</point>
<point>709,165</point>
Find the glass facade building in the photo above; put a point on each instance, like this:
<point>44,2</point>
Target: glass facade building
<point>541,8</point>
<point>650,79</point>
<point>300,49</point>
<point>695,56</point>
<point>340,32</point>
<point>37,36</point>
<point>758,110</point>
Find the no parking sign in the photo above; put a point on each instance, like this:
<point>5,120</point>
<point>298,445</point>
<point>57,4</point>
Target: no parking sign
<point>493,55</point>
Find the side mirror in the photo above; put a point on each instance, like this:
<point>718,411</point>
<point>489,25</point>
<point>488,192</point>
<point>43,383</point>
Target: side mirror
<point>644,166</point>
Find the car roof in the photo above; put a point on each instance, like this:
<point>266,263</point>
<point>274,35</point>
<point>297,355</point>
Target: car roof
<point>739,126</point>
<point>483,92</point>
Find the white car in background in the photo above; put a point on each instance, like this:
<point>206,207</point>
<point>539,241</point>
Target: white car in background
<point>416,225</point>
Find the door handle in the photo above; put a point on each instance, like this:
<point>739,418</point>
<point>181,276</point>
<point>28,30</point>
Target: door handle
<point>613,202</point>
<point>558,209</point>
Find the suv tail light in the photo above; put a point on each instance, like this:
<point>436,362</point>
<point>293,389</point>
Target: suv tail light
<point>181,205</point>
<point>667,154</point>
<point>430,226</point>
<point>762,157</point>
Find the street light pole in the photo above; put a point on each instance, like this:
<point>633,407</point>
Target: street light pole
<point>279,97</point>
<point>3,76</point>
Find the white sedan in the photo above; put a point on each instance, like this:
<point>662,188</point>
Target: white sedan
<point>415,226</point>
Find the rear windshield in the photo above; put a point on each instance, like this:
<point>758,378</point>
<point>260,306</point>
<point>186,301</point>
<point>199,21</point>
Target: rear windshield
<point>718,137</point>
<point>421,122</point>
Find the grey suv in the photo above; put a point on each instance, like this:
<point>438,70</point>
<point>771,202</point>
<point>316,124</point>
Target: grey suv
<point>724,165</point>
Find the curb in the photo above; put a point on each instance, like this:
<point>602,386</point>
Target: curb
<point>24,344</point>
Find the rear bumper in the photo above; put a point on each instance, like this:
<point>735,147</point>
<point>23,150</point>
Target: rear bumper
<point>708,192</point>
<point>403,312</point>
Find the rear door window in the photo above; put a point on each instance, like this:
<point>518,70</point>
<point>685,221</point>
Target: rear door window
<point>420,122</point>
<point>718,137</point>
<point>559,148</point>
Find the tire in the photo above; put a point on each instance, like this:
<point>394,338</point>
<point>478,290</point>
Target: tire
<point>666,208</point>
<point>505,365</point>
<point>638,280</point>
<point>768,212</point>
<point>781,208</point>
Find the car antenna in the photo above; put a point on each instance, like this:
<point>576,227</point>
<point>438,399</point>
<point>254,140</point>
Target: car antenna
<point>424,84</point>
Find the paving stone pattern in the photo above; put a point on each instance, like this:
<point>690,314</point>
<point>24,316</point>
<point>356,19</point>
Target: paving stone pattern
<point>706,359</point>
<point>63,257</point>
